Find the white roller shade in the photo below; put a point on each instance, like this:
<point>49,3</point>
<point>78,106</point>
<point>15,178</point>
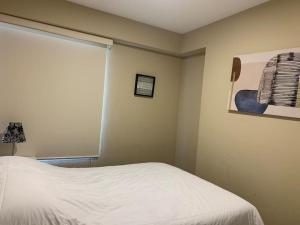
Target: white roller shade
<point>54,86</point>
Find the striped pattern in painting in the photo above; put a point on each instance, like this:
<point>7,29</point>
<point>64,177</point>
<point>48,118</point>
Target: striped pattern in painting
<point>280,81</point>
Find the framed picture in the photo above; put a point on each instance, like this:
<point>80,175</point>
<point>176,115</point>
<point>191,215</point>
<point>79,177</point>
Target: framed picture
<point>267,83</point>
<point>144,85</point>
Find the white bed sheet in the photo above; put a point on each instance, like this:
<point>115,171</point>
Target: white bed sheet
<point>33,193</point>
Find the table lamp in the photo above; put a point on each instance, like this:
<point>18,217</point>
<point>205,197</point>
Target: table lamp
<point>14,133</point>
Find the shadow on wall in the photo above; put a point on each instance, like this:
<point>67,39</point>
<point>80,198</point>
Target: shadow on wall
<point>263,115</point>
<point>5,149</point>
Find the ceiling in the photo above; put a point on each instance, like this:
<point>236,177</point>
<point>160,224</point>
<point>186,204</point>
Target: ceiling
<point>180,16</point>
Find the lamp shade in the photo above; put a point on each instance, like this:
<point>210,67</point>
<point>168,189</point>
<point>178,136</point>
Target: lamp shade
<point>14,133</point>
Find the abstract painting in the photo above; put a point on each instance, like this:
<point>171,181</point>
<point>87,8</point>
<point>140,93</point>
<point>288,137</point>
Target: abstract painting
<point>267,83</point>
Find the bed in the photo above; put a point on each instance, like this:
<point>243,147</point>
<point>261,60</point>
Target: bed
<point>34,193</point>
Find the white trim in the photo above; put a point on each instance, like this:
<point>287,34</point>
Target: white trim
<point>55,30</point>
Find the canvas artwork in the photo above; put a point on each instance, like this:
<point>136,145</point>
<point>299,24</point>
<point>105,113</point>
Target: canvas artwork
<point>267,83</point>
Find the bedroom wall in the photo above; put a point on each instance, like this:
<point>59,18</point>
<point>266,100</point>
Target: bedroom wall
<point>255,157</point>
<point>137,129</point>
<point>63,13</point>
<point>188,112</point>
<point>140,129</point>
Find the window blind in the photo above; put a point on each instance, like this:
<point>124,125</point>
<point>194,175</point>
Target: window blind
<point>54,85</point>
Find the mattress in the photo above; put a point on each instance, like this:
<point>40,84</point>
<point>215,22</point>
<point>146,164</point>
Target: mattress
<point>34,193</point>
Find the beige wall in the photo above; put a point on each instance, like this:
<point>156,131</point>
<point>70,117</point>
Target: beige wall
<point>140,129</point>
<point>137,129</point>
<point>63,13</point>
<point>188,112</point>
<point>255,157</point>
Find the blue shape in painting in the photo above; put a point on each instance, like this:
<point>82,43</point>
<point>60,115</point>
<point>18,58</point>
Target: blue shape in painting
<point>246,101</point>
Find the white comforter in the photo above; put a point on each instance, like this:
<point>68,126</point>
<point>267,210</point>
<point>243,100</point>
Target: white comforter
<point>33,193</point>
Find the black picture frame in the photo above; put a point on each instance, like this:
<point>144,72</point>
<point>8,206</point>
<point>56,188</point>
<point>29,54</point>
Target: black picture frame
<point>144,92</point>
